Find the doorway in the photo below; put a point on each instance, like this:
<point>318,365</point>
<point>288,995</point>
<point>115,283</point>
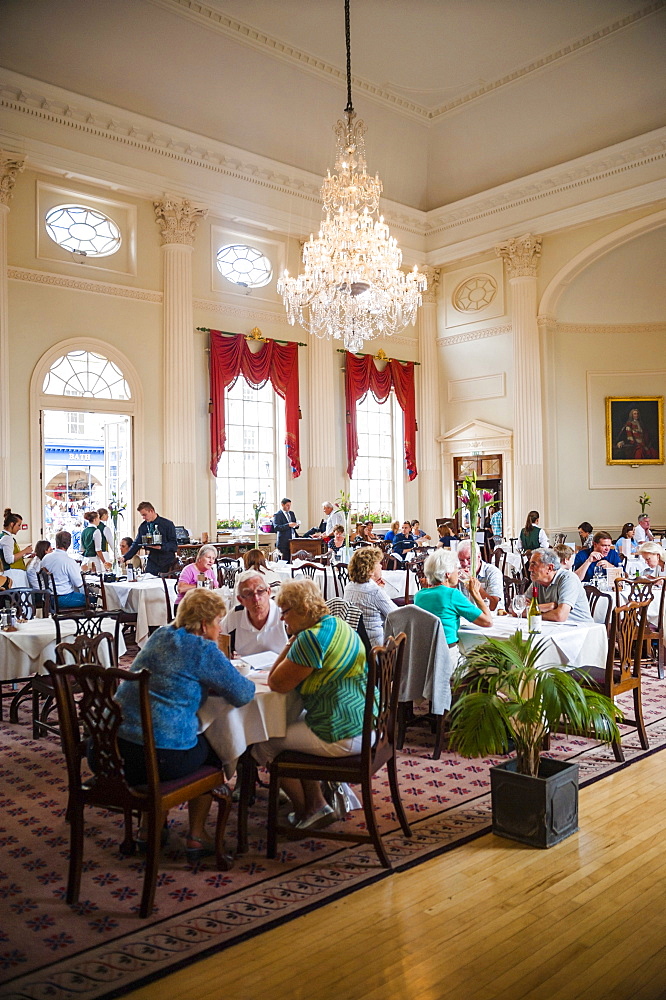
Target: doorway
<point>86,463</point>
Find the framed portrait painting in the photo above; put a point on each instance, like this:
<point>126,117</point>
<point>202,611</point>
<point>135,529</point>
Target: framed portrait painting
<point>634,430</point>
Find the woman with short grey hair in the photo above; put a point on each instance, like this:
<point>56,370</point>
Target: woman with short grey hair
<point>442,597</point>
<point>198,573</point>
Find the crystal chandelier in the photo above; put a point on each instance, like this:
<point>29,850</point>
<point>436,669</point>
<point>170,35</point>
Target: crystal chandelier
<point>352,288</point>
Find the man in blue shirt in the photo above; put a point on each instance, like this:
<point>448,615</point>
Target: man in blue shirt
<point>404,541</point>
<point>600,557</point>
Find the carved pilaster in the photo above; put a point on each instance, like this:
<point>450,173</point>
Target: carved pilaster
<point>178,220</point>
<point>10,167</point>
<point>521,255</point>
<point>432,277</point>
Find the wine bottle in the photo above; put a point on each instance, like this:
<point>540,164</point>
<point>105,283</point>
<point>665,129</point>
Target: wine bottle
<point>534,614</point>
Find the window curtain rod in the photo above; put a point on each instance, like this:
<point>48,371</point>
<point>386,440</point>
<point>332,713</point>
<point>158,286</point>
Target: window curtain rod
<point>250,336</point>
<point>379,356</point>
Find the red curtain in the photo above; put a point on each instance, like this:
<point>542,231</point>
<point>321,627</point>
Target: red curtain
<point>231,357</point>
<point>361,375</point>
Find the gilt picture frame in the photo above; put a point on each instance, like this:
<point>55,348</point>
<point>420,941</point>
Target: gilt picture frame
<point>634,430</point>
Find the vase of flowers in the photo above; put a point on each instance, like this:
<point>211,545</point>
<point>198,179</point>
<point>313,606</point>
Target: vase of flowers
<point>115,506</point>
<point>473,501</point>
<point>258,506</point>
<point>344,503</point>
<point>645,501</point>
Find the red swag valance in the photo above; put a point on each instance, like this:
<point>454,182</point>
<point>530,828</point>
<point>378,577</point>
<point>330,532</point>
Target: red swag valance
<point>361,375</point>
<point>231,357</point>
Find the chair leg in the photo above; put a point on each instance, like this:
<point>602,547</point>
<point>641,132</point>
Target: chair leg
<point>222,795</point>
<point>36,728</point>
<point>20,696</point>
<point>395,796</point>
<point>155,821</point>
<point>640,725</point>
<point>371,823</point>
<point>248,776</point>
<point>128,846</point>
<point>273,801</point>
<point>439,736</point>
<point>618,751</point>
<point>661,658</point>
<point>75,816</point>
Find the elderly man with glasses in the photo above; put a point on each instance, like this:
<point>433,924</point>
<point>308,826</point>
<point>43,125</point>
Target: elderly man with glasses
<point>559,592</point>
<point>254,625</point>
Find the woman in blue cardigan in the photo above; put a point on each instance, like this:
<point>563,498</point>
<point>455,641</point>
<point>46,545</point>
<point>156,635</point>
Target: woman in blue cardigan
<point>185,663</point>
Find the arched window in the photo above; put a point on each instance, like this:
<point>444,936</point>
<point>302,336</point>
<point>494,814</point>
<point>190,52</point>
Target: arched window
<point>82,373</point>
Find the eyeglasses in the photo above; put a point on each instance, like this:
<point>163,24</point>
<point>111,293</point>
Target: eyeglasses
<point>284,611</point>
<point>247,595</point>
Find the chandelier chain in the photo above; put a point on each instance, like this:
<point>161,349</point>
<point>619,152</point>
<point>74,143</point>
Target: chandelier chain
<point>350,106</point>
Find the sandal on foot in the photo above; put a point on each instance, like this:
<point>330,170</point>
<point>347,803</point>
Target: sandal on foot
<point>196,849</point>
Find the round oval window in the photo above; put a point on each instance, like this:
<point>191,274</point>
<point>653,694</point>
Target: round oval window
<point>245,266</point>
<point>84,231</point>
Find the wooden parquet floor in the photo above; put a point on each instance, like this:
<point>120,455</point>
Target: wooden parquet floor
<point>492,920</point>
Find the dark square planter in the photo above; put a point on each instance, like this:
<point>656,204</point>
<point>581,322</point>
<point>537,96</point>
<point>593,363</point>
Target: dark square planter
<point>537,811</point>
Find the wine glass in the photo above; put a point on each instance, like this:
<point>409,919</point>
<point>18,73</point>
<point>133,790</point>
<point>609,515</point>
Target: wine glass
<point>519,603</point>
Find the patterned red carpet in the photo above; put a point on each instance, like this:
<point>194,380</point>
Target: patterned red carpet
<point>99,948</point>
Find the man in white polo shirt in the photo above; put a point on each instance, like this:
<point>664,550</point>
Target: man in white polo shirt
<point>255,626</point>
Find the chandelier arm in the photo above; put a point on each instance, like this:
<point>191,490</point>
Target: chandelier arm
<point>350,106</point>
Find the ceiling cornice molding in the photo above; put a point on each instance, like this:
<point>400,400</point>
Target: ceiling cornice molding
<point>581,172</point>
<point>82,115</point>
<point>215,20</point>
<point>603,329</point>
<point>465,338</point>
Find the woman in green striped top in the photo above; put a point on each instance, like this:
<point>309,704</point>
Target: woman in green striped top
<point>324,661</point>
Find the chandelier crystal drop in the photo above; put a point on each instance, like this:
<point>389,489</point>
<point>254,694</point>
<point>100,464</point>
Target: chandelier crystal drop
<point>352,287</point>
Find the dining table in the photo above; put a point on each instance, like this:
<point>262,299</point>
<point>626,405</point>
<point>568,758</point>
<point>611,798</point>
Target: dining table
<point>566,645</point>
<point>24,651</point>
<point>394,579</point>
<point>144,598</point>
<point>654,607</point>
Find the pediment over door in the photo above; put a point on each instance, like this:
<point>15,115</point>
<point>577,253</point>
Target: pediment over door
<point>476,435</point>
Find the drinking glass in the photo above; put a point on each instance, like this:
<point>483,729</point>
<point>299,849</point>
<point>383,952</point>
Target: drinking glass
<point>519,603</point>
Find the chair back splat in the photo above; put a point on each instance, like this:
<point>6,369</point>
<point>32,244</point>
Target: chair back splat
<point>101,715</point>
<point>377,750</point>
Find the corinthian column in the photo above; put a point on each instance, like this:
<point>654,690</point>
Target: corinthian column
<point>521,258</point>
<point>429,478</point>
<point>324,480</point>
<point>178,221</point>
<point>10,166</point>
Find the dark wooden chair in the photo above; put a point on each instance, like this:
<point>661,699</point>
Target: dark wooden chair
<point>25,601</point>
<point>642,588</point>
<point>378,749</point>
<point>227,570</point>
<point>93,588</point>
<point>499,559</point>
<point>101,715</point>
<point>623,665</point>
<point>596,598</point>
<point>88,623</point>
<point>391,561</point>
<point>313,546</point>
<point>81,649</point>
<point>511,588</point>
<point>314,571</point>
<point>48,583</point>
<point>340,577</point>
<point>384,546</point>
<point>414,572</point>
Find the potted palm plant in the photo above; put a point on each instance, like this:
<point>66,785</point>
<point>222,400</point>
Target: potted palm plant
<point>505,699</point>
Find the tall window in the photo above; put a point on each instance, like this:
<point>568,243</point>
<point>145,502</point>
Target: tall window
<point>248,466</point>
<point>380,449</point>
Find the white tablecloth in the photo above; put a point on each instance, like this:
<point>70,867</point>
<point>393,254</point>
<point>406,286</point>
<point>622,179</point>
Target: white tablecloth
<point>568,645</point>
<point>231,730</point>
<point>395,579</point>
<point>23,653</point>
<point>144,598</point>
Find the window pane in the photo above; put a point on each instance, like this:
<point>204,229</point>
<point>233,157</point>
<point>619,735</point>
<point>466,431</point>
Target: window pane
<point>372,487</point>
<point>247,467</point>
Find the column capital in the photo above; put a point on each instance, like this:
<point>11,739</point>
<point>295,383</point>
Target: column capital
<point>432,275</point>
<point>521,255</point>
<point>178,220</point>
<point>10,166</point>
